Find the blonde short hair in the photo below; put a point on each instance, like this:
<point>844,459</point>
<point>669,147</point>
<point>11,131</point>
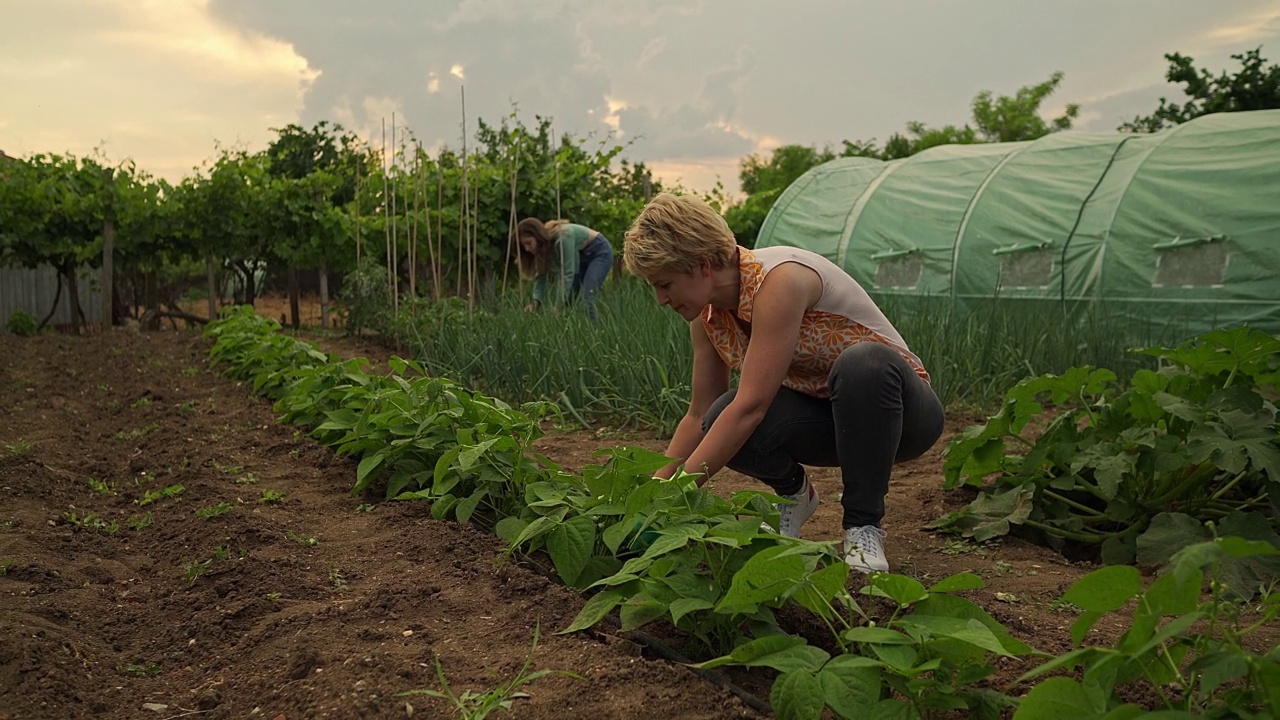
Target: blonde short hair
<point>677,232</point>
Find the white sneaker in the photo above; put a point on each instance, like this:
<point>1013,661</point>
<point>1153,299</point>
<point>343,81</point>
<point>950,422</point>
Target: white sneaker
<point>793,514</point>
<point>864,549</point>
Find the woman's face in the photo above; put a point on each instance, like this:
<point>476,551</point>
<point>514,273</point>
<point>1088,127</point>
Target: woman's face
<point>529,244</point>
<point>686,293</point>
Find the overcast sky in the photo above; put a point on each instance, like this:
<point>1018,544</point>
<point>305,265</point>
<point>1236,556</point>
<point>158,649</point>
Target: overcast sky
<point>694,85</point>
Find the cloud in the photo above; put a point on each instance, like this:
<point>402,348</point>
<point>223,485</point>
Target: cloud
<point>158,82</point>
<point>686,82</point>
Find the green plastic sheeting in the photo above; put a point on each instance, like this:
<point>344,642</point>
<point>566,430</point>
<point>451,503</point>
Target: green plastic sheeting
<point>1177,227</point>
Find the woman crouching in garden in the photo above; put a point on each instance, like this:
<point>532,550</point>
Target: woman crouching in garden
<point>573,258</point>
<point>825,379</point>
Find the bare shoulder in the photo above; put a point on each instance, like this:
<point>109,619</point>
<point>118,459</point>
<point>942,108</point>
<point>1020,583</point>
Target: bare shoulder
<point>791,283</point>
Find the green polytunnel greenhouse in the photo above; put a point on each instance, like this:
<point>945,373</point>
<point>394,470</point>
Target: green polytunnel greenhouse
<point>1179,227</point>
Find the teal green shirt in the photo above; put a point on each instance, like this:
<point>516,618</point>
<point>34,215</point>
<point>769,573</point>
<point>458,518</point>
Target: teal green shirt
<point>564,263</point>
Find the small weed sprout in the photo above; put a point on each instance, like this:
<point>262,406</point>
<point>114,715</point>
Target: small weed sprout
<point>273,596</point>
<point>136,433</point>
<point>196,568</point>
<point>477,706</point>
<point>139,670</point>
<point>187,407</point>
<point>1059,605</point>
<point>140,402</point>
<point>213,510</point>
<point>221,553</point>
<point>336,578</point>
<point>305,540</point>
<point>139,522</point>
<point>271,497</point>
<point>102,487</point>
<point>16,449</point>
<point>190,371</point>
<point>4,566</point>
<point>248,479</point>
<point>91,522</point>
<point>365,507</point>
<point>151,496</point>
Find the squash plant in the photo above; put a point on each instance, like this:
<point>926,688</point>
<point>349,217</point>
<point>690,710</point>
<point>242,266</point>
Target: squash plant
<point>1197,437</point>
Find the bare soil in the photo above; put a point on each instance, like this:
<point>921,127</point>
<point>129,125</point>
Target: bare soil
<point>321,604</point>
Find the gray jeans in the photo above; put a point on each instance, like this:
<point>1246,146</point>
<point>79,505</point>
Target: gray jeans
<point>879,413</point>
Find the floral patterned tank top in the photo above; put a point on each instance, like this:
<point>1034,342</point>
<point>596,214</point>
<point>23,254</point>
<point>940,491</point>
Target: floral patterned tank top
<point>844,315</point>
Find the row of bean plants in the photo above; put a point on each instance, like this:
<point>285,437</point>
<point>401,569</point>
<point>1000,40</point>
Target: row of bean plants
<point>655,550</point>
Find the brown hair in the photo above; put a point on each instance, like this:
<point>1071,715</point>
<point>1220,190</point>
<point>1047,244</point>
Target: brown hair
<point>538,262</point>
<point>677,232</point>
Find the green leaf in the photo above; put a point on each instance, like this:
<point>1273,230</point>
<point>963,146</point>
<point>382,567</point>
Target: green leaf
<point>1100,592</point>
<point>769,575</point>
<point>958,582</point>
<point>1105,589</point>
<point>817,590</point>
<point>683,606</point>
<point>594,610</point>
<point>780,652</point>
<point>467,507</point>
<point>892,709</point>
<point>797,695</point>
<point>1167,534</point>
<point>509,528</point>
<point>971,632</point>
<point>1218,668</point>
<point>1054,699</point>
<point>639,610</point>
<point>570,546</point>
<point>901,589</point>
<point>848,688</point>
<point>368,470</point>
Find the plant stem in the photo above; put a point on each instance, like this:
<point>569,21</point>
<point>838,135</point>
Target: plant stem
<point>1072,503</point>
<point>1068,534</point>
<point>1231,484</point>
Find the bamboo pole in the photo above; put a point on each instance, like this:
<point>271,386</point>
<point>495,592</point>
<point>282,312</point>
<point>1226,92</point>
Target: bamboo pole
<point>386,218</point>
<point>413,235</point>
<point>431,248</point>
<point>511,218</point>
<point>356,206</point>
<point>464,221</point>
<point>394,260</point>
<point>473,270</point>
<point>439,254</point>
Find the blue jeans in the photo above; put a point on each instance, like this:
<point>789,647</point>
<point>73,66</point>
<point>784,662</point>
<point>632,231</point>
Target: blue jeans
<point>879,413</point>
<point>594,263</point>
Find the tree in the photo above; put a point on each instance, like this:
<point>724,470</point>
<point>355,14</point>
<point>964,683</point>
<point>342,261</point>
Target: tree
<point>1254,87</point>
<point>785,164</point>
<point>54,206</point>
<point>1017,118</point>
<point>764,180</point>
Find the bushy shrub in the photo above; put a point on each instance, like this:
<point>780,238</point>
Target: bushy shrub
<point>22,323</point>
<point>365,298</point>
